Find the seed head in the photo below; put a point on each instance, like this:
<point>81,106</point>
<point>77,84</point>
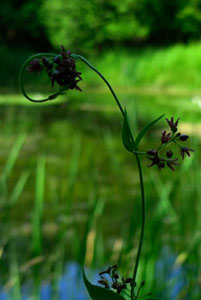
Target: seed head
<point>183,137</point>
<point>173,125</point>
<point>186,150</point>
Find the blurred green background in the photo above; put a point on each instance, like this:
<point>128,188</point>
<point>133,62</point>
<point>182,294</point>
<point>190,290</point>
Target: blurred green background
<point>69,192</point>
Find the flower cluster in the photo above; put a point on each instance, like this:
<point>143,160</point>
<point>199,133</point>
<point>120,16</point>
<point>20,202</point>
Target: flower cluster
<point>60,69</point>
<point>113,280</point>
<point>166,138</point>
<point>110,280</point>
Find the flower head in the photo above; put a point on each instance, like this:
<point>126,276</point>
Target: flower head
<point>34,66</point>
<point>183,137</point>
<point>173,125</point>
<point>169,153</point>
<point>104,282</point>
<point>186,150</point>
<point>165,137</point>
<point>156,160</point>
<point>171,163</point>
<point>65,73</point>
<point>61,69</point>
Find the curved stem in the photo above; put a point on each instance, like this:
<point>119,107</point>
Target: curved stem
<point>77,56</point>
<point>136,153</point>
<point>142,226</point>
<point>133,297</point>
<point>51,97</point>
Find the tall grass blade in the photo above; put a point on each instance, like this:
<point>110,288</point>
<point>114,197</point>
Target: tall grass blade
<point>3,189</point>
<point>18,188</point>
<point>39,200</point>
<point>14,281</point>
<point>14,154</point>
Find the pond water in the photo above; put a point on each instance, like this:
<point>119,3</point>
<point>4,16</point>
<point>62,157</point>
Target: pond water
<point>70,192</point>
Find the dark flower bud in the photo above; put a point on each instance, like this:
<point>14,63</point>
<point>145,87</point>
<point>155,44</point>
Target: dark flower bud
<point>152,152</point>
<point>104,282</point>
<point>165,137</point>
<point>107,271</point>
<point>128,280</point>
<point>114,267</point>
<point>47,63</point>
<point>186,150</point>
<point>183,137</point>
<point>155,160</point>
<point>173,125</point>
<point>34,66</point>
<point>115,276</point>
<point>161,165</point>
<point>56,76</point>
<point>172,163</point>
<point>57,59</point>
<point>169,153</point>
<point>178,134</point>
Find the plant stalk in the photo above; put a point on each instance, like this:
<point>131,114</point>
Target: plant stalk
<point>136,153</point>
<point>105,80</point>
<point>133,297</point>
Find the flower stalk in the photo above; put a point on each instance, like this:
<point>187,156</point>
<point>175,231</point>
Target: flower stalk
<point>61,69</point>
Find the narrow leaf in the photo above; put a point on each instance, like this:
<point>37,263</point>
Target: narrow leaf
<point>18,188</point>
<point>126,135</point>
<point>99,293</point>
<point>145,129</point>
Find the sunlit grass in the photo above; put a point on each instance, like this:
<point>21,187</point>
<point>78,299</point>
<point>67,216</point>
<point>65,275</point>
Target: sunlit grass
<point>174,70</point>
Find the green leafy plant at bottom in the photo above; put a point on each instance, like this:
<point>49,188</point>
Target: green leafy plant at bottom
<point>98,293</point>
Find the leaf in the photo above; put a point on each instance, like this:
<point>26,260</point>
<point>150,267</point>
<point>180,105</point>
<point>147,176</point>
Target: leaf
<point>99,293</point>
<point>127,140</point>
<point>145,129</point>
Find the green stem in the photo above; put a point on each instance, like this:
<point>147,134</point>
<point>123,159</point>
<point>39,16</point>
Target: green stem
<point>133,297</point>
<point>51,97</point>
<point>136,153</point>
<point>77,56</point>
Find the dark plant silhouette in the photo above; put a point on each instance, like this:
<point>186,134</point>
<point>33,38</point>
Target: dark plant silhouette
<point>61,70</point>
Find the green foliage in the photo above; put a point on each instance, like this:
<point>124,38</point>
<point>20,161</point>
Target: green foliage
<point>95,24</point>
<point>74,22</point>
<point>20,19</point>
<point>145,130</point>
<point>127,137</point>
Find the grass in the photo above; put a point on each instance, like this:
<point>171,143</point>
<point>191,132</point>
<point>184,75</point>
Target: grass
<point>175,70</point>
<point>88,198</point>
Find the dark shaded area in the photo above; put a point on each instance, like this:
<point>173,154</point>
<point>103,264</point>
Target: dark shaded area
<point>131,22</point>
<point>94,27</point>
